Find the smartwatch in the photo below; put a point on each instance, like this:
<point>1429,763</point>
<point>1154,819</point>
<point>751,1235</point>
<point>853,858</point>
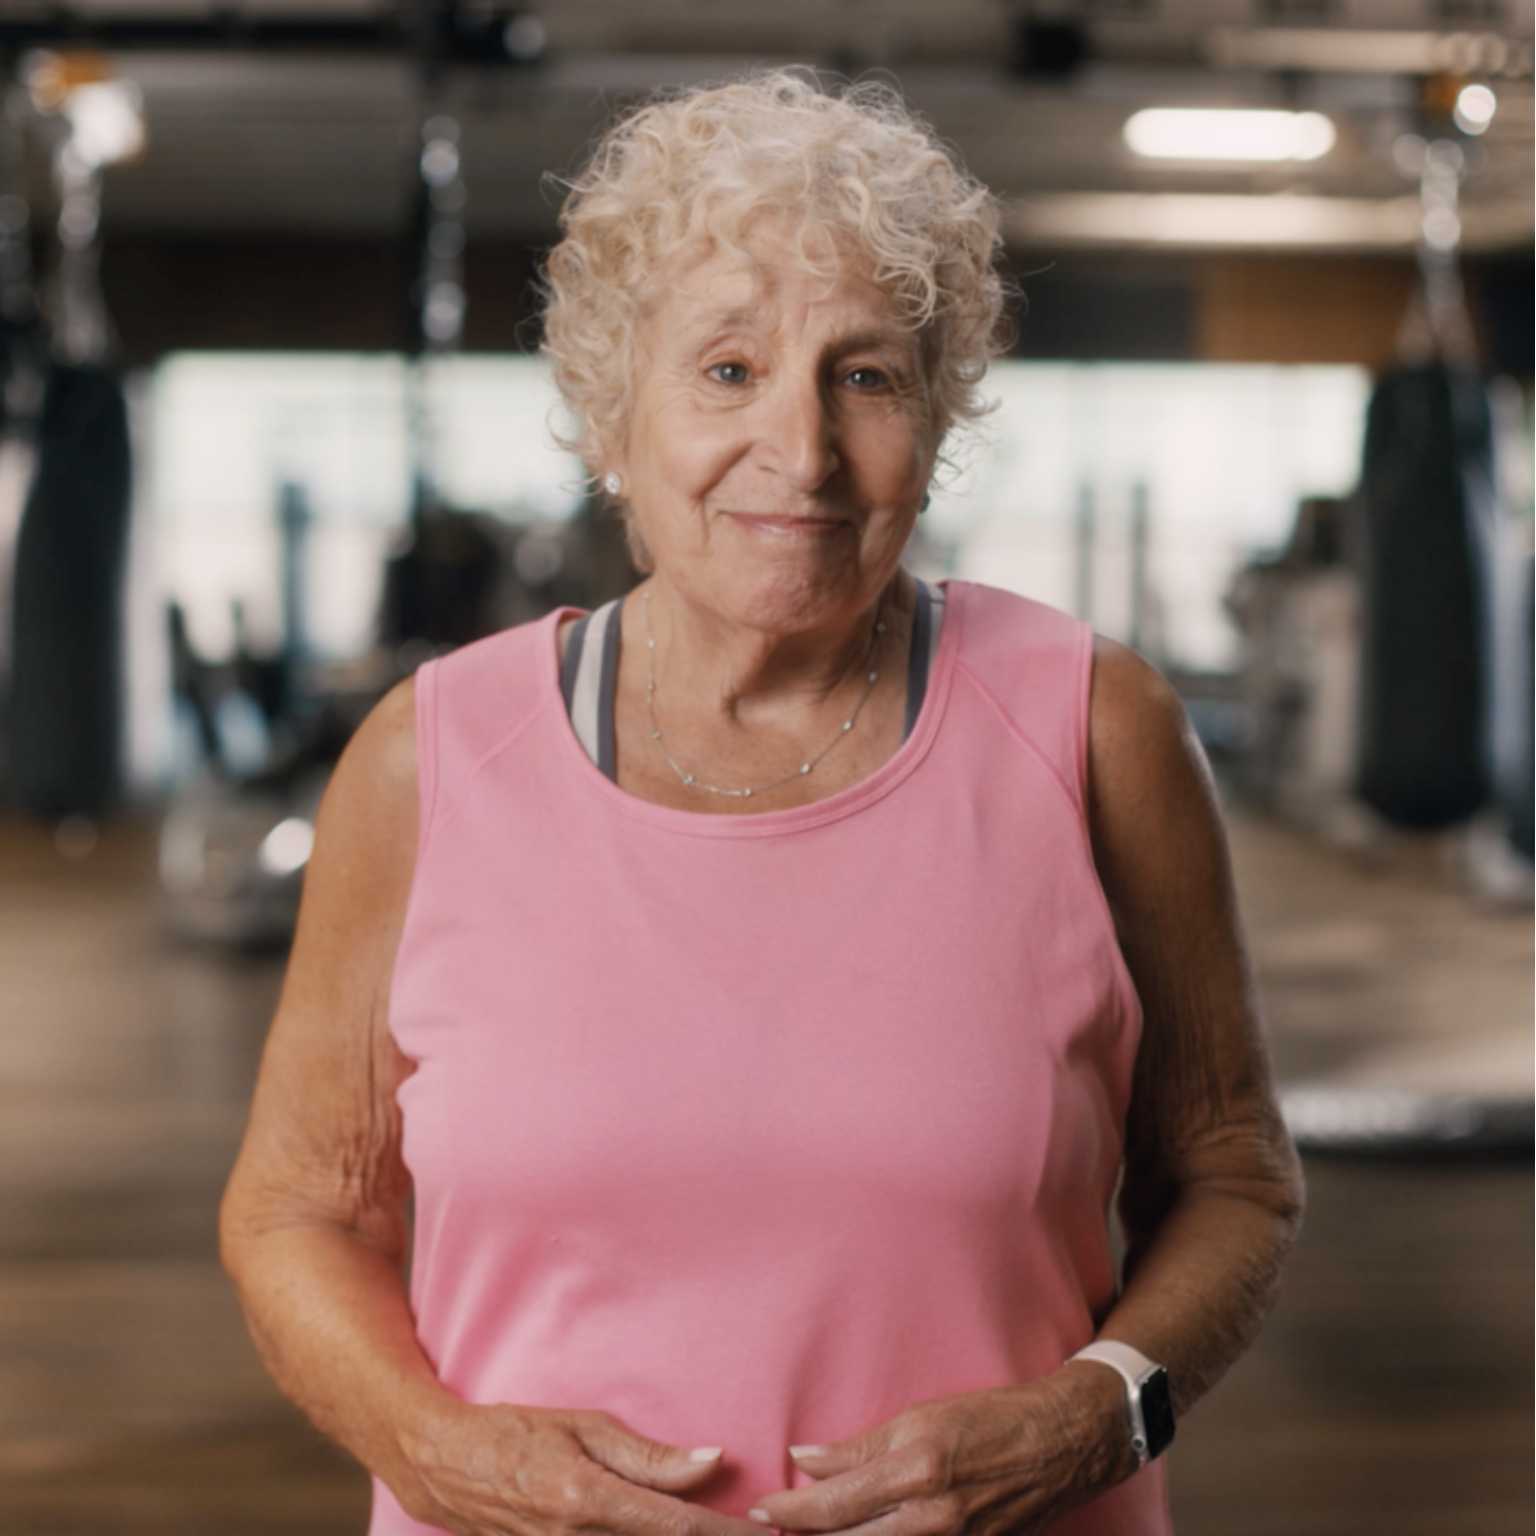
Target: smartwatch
<point>1148,1398</point>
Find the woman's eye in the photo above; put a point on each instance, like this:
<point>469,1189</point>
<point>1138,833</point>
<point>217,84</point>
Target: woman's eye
<point>876,374</point>
<point>714,368</point>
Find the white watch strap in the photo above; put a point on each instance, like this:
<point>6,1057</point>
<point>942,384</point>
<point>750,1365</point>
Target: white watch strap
<point>1133,1367</point>
<point>1131,1363</point>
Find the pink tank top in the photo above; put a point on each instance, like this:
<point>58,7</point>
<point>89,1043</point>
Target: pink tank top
<point>755,1130</point>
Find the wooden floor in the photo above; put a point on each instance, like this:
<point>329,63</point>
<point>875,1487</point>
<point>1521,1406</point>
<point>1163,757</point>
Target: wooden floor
<point>1391,1393</point>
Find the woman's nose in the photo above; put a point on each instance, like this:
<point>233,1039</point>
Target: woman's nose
<point>803,436</point>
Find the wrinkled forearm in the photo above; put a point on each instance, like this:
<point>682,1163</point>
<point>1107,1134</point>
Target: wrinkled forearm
<point>329,1316</point>
<point>1200,1283</point>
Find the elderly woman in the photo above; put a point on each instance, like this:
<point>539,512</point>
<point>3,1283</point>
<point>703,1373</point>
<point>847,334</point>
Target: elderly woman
<point>763,982</point>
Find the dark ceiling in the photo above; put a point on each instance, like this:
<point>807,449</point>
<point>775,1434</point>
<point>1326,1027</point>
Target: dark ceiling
<point>304,119</point>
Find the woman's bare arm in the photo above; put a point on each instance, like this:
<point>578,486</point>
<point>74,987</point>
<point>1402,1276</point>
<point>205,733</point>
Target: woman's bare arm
<point>1212,1196</point>
<point>313,1226</point>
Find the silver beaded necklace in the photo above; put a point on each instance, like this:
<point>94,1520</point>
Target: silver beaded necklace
<point>692,780</point>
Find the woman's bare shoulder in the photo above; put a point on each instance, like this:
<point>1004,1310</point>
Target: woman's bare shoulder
<point>381,756</point>
<point>1128,696</point>
<point>367,816</point>
<point>366,830</point>
<point>1153,808</point>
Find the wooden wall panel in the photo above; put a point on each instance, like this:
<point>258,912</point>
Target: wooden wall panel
<point>1339,309</point>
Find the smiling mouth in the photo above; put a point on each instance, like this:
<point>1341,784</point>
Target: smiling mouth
<point>771,521</point>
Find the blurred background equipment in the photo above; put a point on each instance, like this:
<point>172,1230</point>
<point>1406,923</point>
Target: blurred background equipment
<point>64,397</point>
<point>274,428</point>
<point>233,847</point>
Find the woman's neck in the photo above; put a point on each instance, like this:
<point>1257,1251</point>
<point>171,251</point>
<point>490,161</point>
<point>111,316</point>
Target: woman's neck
<point>715,675</point>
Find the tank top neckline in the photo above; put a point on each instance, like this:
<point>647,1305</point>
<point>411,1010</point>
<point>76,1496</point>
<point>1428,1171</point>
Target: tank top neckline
<point>845,802</point>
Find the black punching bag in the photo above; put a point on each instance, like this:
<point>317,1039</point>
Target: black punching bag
<point>66,711</point>
<point>1427,458</point>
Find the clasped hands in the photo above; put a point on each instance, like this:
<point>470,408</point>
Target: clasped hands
<point>1002,1460</point>
<point>1008,1459</point>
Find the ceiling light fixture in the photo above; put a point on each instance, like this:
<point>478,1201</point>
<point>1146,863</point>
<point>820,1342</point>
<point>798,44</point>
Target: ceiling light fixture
<point>1475,106</point>
<point>1226,134</point>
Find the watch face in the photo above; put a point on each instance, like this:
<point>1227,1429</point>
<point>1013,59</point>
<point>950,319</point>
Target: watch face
<point>1157,1411</point>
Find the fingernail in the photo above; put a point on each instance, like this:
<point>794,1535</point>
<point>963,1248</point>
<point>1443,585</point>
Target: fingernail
<point>704,1453</point>
<point>806,1450</point>
<point>762,1515</point>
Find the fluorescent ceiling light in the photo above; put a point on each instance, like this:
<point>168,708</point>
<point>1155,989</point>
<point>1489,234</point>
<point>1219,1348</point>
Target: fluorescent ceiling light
<point>1222,133</point>
<point>1273,221</point>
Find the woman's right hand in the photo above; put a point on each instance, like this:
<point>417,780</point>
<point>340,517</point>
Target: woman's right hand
<point>515,1471</point>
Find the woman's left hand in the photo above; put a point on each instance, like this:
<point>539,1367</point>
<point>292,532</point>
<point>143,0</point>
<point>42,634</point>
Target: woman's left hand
<point>1008,1459</point>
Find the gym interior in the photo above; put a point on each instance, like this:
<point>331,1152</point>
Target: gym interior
<point>275,429</point>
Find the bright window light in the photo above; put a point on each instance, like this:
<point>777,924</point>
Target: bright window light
<point>1210,133</point>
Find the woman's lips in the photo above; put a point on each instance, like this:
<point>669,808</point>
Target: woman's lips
<point>789,527</point>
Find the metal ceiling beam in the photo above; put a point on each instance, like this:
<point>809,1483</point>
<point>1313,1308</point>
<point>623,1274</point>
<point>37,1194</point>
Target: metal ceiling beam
<point>61,27</point>
<point>477,35</point>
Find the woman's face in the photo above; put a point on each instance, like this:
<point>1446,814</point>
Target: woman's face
<point>763,392</point>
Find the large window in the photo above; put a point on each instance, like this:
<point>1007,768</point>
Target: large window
<point>1217,455</point>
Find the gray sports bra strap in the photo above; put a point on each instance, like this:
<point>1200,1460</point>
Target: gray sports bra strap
<point>917,659</point>
<point>607,740</point>
<point>587,680</point>
<point>571,661</point>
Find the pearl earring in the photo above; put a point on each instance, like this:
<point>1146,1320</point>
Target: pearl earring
<point>613,482</point>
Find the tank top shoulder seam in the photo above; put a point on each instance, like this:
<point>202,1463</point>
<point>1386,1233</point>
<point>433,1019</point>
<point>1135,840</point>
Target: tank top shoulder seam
<point>1123,984</point>
<point>1020,734</point>
<point>446,806</point>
